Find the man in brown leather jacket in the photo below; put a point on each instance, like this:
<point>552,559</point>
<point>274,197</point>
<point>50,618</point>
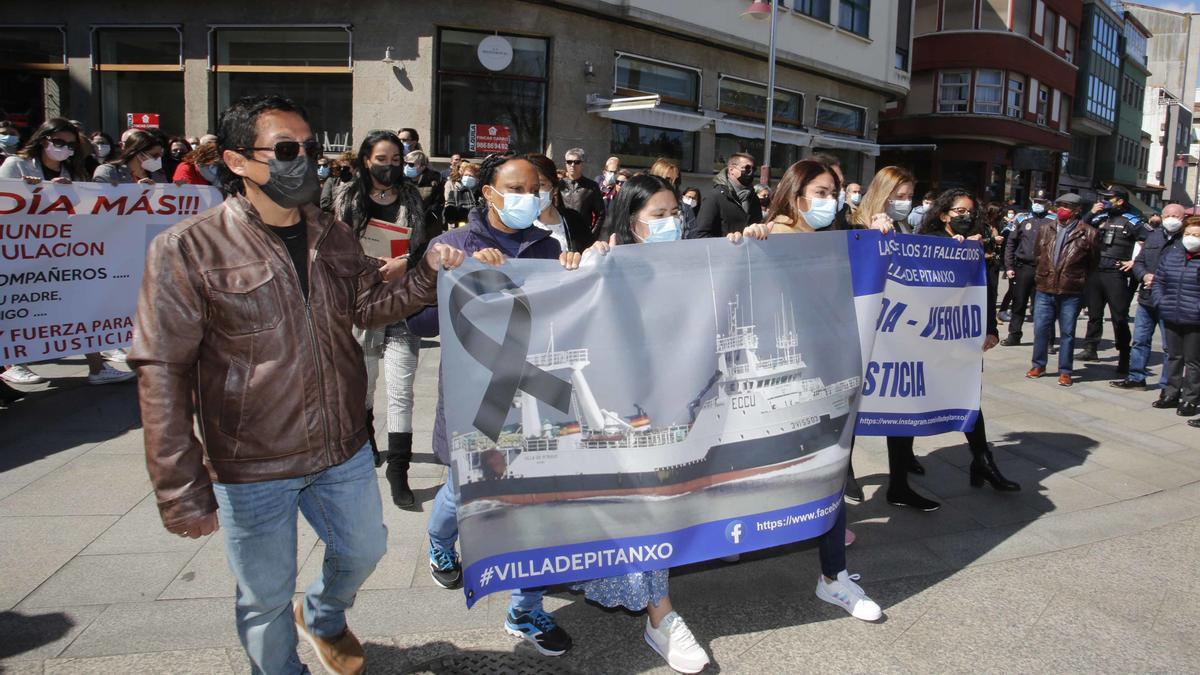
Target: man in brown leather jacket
<point>244,323</point>
<point>1066,250</point>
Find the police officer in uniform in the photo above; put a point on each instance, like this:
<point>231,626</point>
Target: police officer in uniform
<point>1110,284</point>
<point>1020,263</point>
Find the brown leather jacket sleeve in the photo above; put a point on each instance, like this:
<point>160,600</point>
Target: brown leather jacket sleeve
<point>380,303</point>
<point>168,329</point>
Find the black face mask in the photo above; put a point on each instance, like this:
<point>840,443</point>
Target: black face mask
<point>344,174</point>
<point>963,225</point>
<point>292,183</point>
<point>386,174</point>
<point>746,179</point>
<point>177,154</point>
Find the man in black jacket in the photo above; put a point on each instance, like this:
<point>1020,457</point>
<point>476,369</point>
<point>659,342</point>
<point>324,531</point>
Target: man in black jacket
<point>732,204</point>
<point>1020,263</point>
<point>1144,266</point>
<point>579,193</point>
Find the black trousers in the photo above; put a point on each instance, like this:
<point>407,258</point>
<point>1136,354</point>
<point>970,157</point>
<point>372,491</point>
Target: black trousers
<point>900,452</point>
<point>1183,363</point>
<point>1024,283</point>
<point>1111,288</point>
<point>1006,301</point>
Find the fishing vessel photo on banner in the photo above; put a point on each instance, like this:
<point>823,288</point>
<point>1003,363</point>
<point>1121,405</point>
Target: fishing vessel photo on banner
<point>720,384</point>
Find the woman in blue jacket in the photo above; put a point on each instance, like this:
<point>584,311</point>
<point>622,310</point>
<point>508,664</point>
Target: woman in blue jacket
<point>1176,294</point>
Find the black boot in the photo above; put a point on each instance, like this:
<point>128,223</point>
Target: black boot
<point>1123,363</point>
<point>399,456</point>
<point>900,458</point>
<point>1088,353</point>
<point>371,438</point>
<point>1013,340</point>
<point>853,491</point>
<point>984,470</point>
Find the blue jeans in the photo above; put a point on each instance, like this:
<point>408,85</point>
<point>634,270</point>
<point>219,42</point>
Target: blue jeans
<point>443,533</point>
<point>1046,309</point>
<point>1139,353</point>
<point>342,504</point>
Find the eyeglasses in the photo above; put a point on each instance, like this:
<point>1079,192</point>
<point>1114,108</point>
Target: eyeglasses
<point>749,168</point>
<point>960,210</point>
<point>60,143</point>
<point>412,164</point>
<point>573,161</point>
<point>286,151</point>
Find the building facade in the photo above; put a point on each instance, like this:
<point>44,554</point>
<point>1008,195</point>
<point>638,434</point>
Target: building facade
<point>1094,113</point>
<point>993,87</point>
<point>1173,57</point>
<point>1121,158</point>
<point>634,78</point>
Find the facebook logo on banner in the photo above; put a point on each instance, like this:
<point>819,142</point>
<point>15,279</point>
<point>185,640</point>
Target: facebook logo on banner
<point>733,532</point>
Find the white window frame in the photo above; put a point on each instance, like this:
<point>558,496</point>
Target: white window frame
<point>1000,91</point>
<point>1020,90</point>
<point>966,99</point>
<point>1039,18</point>
<point>862,133</point>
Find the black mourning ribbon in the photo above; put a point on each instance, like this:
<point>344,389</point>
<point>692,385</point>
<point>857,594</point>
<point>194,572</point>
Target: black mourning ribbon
<point>506,361</point>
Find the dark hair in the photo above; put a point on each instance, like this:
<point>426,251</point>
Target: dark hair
<point>411,132</point>
<point>6,124</point>
<point>33,147</point>
<point>791,187</point>
<point>932,195</point>
<point>699,197</point>
<point>549,170</point>
<point>135,144</point>
<point>633,196</point>
<point>237,128</point>
<point>932,222</point>
<point>362,175</point>
<point>490,166</point>
<point>178,139</point>
<point>826,159</point>
<point>738,155</point>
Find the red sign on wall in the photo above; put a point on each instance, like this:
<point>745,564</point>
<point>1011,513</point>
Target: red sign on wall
<point>489,138</point>
<point>142,120</point>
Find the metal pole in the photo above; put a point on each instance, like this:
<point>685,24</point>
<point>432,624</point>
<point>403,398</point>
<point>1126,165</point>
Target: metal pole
<point>765,171</point>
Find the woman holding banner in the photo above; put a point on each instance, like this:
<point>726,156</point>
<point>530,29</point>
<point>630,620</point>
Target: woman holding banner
<point>954,214</point>
<point>379,197</point>
<point>806,201</point>
<point>141,161</point>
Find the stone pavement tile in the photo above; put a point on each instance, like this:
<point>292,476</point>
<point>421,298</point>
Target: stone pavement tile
<point>877,522</point>
<point>33,635</point>
<point>37,454</point>
<point>393,612</point>
<point>131,442</point>
<point>987,545</point>
<point>1153,469</point>
<point>1070,634</point>
<point>1114,520</point>
<point>1060,494</point>
<point>89,485</point>
<point>156,626</point>
<point>397,568</point>
<point>1045,389</point>
<point>1116,484</point>
<point>991,509</point>
<point>189,662</point>
<point>893,560</point>
<point>103,579</point>
<point>35,548</point>
<point>141,531</point>
<point>22,668</point>
<point>1178,433</point>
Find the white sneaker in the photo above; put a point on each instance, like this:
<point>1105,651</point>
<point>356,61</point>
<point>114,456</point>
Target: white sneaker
<point>110,375</point>
<point>21,375</point>
<point>115,355</point>
<point>674,642</point>
<point>848,595</point>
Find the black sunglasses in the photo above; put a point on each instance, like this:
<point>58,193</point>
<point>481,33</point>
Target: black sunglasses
<point>286,151</point>
<point>60,143</point>
<point>573,161</point>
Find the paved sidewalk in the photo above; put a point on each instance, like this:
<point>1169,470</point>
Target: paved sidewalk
<point>1092,567</point>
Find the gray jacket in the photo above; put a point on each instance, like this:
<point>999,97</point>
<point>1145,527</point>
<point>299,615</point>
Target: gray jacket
<point>20,167</point>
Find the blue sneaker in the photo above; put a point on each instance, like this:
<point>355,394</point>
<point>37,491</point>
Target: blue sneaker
<point>444,567</point>
<point>540,629</point>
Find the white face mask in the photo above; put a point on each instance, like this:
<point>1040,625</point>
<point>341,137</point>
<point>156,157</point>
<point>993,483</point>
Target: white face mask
<point>151,164</point>
<point>689,201</point>
<point>841,200</point>
<point>855,197</point>
<point>898,209</point>
<point>1172,225</point>
<point>1191,243</point>
<point>821,212</point>
<point>59,154</point>
<point>661,229</point>
<point>102,149</point>
<point>544,199</point>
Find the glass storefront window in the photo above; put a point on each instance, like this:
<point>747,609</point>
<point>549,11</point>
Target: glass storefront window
<point>140,72</point>
<point>742,98</point>
<point>841,117</point>
<point>33,75</point>
<point>639,145</point>
<point>678,86</point>
<point>309,65</point>
<point>850,161</point>
<point>468,93</point>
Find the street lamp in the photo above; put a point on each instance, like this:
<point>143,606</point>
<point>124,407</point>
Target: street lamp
<point>759,10</point>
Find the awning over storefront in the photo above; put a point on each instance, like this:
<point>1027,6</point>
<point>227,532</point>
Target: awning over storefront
<point>647,110</point>
<point>744,129</point>
<point>1141,206</point>
<point>827,141</point>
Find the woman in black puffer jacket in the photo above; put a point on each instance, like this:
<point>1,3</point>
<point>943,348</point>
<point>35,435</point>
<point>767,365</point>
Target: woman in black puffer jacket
<point>1175,291</point>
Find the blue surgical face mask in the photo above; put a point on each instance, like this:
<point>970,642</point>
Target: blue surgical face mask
<point>661,229</point>
<point>841,200</point>
<point>520,210</point>
<point>9,142</point>
<point>209,172</point>
<point>410,171</point>
<point>469,182</point>
<point>821,212</point>
<point>323,172</point>
<point>544,199</point>
<point>407,147</point>
<point>1038,208</point>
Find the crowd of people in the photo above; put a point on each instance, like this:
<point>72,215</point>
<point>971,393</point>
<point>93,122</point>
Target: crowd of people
<point>282,376</point>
